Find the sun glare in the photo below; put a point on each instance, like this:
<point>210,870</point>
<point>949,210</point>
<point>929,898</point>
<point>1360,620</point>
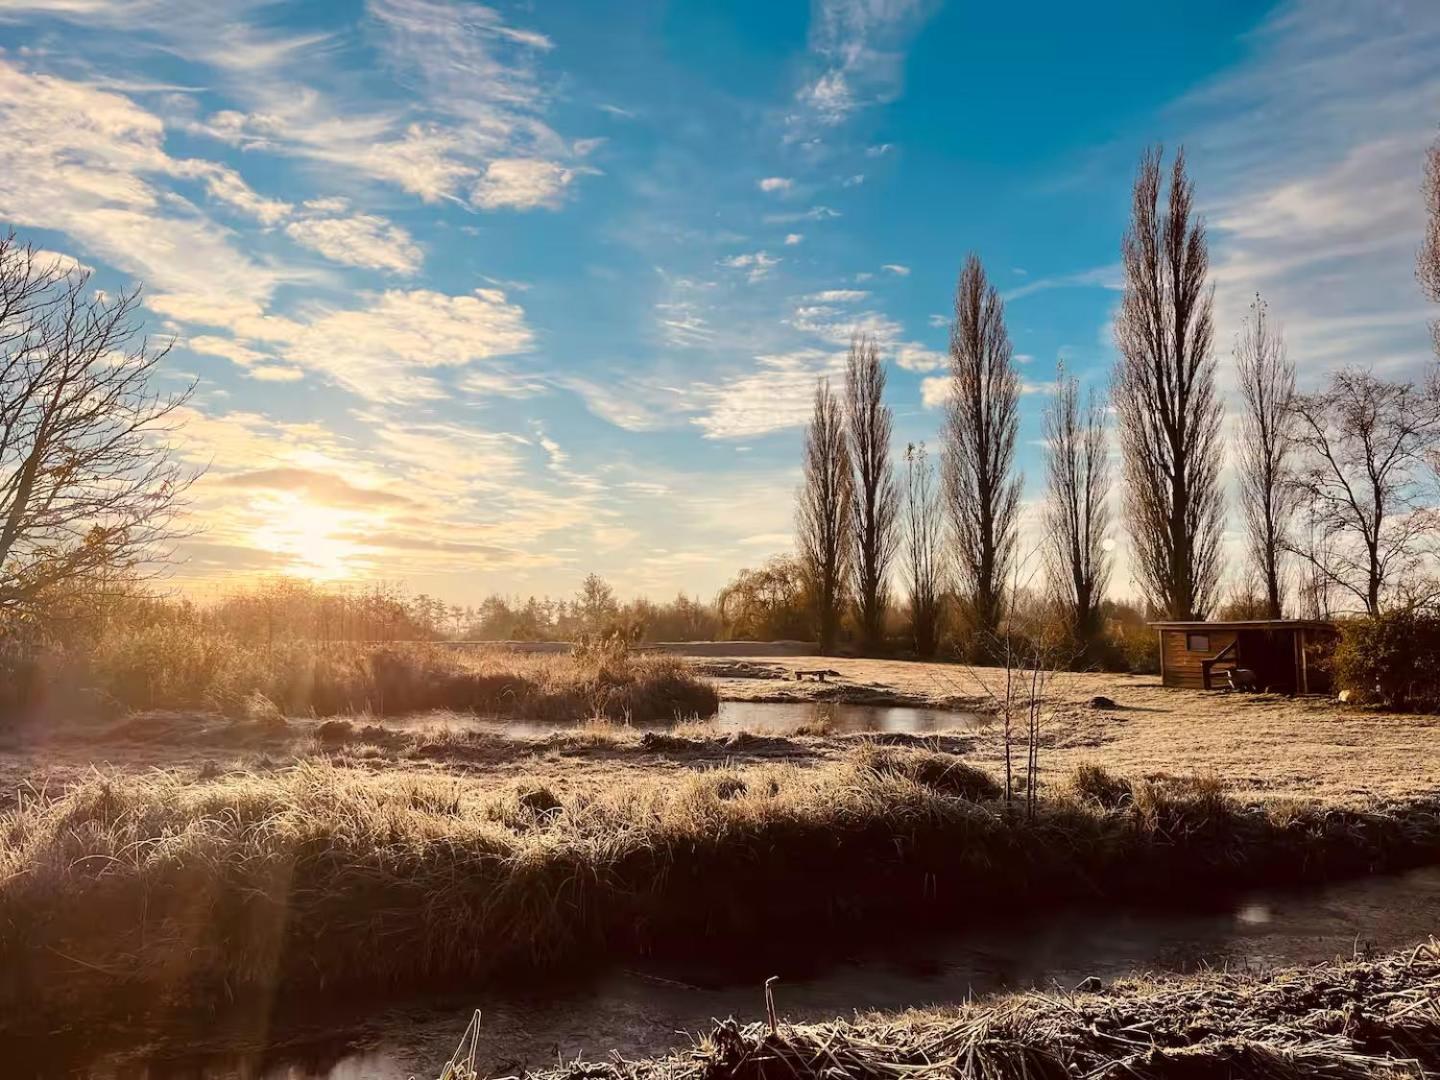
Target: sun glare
<point>317,541</point>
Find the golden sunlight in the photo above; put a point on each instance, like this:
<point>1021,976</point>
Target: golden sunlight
<point>317,541</point>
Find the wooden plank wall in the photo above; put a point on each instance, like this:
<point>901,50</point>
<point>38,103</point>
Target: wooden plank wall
<point>1182,667</point>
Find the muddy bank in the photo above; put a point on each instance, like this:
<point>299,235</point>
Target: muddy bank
<point>1343,1021</point>
<point>636,1013</point>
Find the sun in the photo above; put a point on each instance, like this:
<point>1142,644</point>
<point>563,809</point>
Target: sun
<point>318,541</point>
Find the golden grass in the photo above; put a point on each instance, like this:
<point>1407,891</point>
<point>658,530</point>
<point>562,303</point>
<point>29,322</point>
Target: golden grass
<point>321,878</point>
<point>1362,1020</point>
<point>165,667</point>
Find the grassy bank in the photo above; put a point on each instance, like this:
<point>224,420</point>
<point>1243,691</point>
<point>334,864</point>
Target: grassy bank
<point>167,668</point>
<point>1347,1021</point>
<point>321,878</point>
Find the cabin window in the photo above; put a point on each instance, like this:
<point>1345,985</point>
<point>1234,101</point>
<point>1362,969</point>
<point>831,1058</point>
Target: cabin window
<point>1197,642</point>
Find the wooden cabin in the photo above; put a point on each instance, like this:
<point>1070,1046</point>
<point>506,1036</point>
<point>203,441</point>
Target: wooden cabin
<point>1285,654</point>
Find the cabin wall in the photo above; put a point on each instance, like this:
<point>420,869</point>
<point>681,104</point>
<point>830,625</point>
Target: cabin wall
<point>1180,664</point>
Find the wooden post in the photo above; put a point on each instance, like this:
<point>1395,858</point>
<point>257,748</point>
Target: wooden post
<point>1160,636</point>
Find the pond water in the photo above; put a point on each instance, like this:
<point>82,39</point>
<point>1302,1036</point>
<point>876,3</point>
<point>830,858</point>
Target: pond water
<point>643,1012</point>
<point>839,718</point>
<point>773,717</point>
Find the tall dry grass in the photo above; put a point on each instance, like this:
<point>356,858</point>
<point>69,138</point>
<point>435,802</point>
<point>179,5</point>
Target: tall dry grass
<point>320,878</point>
<point>176,666</point>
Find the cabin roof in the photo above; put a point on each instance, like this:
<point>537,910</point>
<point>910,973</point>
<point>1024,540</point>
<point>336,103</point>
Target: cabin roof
<point>1243,624</point>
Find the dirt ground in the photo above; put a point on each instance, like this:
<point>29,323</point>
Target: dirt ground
<point>1257,744</point>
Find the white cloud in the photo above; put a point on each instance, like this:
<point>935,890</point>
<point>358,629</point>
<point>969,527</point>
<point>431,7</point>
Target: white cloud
<point>364,240</point>
<point>838,296</point>
<point>385,350</point>
<point>759,263</point>
<point>522,184</point>
<point>791,239</point>
<point>1110,276</point>
<point>853,181</point>
<point>878,150</point>
<point>897,269</point>
<point>858,46</point>
<point>778,394</point>
<point>86,162</point>
<point>912,356</point>
<point>815,213</point>
<point>227,186</point>
<point>936,390</point>
<point>775,183</point>
<point>1307,162</point>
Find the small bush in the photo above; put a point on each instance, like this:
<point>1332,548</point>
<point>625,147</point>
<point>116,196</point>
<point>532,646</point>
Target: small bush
<point>1097,784</point>
<point>1392,660</point>
<point>942,773</point>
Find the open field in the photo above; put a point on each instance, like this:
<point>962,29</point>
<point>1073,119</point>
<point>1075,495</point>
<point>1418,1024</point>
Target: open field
<point>1368,1018</point>
<point>214,856</point>
<point>1259,743</point>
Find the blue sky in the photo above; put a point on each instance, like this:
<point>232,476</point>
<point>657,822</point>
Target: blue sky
<point>482,298</point>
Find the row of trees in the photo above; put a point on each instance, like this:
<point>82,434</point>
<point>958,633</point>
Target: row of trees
<point>1336,488</point>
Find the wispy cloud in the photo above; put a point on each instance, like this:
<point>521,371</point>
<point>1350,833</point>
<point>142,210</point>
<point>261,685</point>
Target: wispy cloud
<point>858,55</point>
<point>1308,160</point>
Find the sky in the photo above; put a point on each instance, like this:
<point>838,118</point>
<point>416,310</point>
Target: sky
<point>482,298</point>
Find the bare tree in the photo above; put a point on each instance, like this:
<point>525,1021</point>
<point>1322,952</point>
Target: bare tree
<point>923,527</point>
<point>1363,443</point>
<point>1316,588</point>
<point>824,520</point>
<point>1168,414</point>
<point>1077,507</point>
<point>1428,269</point>
<point>1267,449</point>
<point>87,480</point>
<point>981,485</point>
<point>876,502</point>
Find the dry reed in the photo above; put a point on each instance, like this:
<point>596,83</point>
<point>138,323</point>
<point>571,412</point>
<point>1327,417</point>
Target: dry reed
<point>1371,1018</point>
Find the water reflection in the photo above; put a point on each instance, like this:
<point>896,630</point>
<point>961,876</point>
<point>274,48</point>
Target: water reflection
<point>639,1013</point>
<point>839,718</point>
<point>772,717</point>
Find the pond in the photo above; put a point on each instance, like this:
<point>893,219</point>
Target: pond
<point>772,716</point>
<point>640,1012</point>
<point>769,717</point>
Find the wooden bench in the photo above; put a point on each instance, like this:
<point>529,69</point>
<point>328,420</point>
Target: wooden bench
<point>818,674</point>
